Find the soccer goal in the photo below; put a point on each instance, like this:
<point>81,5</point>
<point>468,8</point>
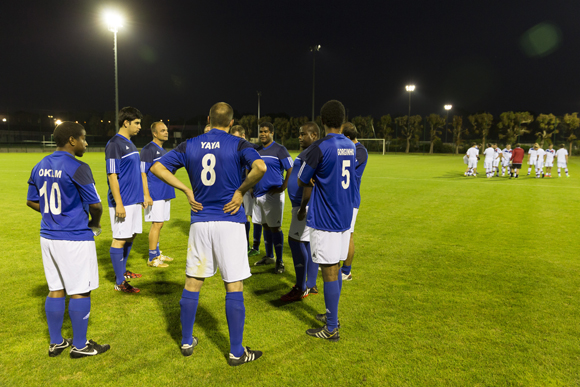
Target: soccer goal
<point>373,144</point>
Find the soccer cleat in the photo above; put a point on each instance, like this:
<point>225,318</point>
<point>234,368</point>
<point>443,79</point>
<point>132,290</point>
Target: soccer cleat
<point>165,258</point>
<point>187,349</point>
<point>56,349</point>
<point>279,267</point>
<point>126,288</point>
<point>157,262</point>
<point>346,277</point>
<point>313,290</point>
<point>91,349</point>
<point>129,274</point>
<point>294,295</point>
<point>253,253</point>
<point>248,356</point>
<point>265,261</point>
<point>322,317</point>
<point>324,333</point>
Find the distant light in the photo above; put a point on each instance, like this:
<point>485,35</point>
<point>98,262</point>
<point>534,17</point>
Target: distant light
<point>410,87</point>
<point>101,120</point>
<point>113,20</point>
<point>315,48</point>
<point>3,119</point>
<point>109,122</point>
<point>77,122</point>
<point>58,122</point>
<point>448,107</point>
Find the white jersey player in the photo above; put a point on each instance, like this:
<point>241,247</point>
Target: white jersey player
<point>489,154</point>
<point>473,156</point>
<point>550,153</point>
<point>496,159</point>
<point>540,155</point>
<point>562,155</point>
<point>506,157</point>
<point>532,156</point>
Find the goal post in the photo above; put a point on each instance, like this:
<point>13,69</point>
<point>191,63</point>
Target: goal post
<point>373,144</point>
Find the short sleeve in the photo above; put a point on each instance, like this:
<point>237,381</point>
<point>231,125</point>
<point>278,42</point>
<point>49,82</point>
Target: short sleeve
<point>175,159</point>
<point>285,158</point>
<point>312,156</point>
<point>86,185</point>
<point>33,194</point>
<point>113,157</point>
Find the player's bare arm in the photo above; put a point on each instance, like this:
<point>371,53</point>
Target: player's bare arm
<point>34,205</point>
<point>96,211</point>
<point>255,175</point>
<point>167,177</point>
<point>305,199</point>
<point>116,191</point>
<point>148,201</point>
<point>284,185</point>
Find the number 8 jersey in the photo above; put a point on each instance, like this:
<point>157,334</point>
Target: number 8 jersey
<point>64,187</point>
<point>331,162</point>
<point>214,163</point>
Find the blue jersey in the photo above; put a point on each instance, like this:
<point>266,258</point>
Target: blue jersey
<point>277,160</point>
<point>123,159</point>
<point>64,187</point>
<point>331,162</point>
<point>361,162</point>
<point>294,190</point>
<point>158,190</point>
<point>214,162</point>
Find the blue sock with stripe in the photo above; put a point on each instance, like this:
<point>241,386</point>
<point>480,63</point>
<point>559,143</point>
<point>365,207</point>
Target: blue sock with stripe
<point>152,255</point>
<point>54,309</point>
<point>299,262</point>
<point>189,301</point>
<point>126,251</point>
<point>79,310</point>
<point>158,251</point>
<point>118,265</point>
<point>268,243</point>
<point>331,298</point>
<point>257,236</point>
<point>278,242</point>
<point>311,267</point>
<point>236,316</point>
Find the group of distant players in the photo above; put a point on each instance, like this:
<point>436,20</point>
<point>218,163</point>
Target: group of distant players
<point>226,173</point>
<point>511,160</point>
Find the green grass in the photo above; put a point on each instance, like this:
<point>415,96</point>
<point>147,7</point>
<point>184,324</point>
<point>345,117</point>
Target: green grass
<point>457,282</point>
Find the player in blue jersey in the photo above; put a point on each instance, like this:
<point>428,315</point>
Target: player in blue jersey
<point>328,165</point>
<point>63,190</point>
<point>214,163</point>
<point>125,195</point>
<point>239,131</point>
<point>158,195</point>
<point>269,197</point>
<point>349,130</point>
<point>299,234</point>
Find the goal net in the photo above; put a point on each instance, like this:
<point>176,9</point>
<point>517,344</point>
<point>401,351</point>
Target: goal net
<point>373,144</point>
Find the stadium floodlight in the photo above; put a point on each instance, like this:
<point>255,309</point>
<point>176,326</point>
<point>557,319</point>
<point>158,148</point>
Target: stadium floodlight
<point>447,108</point>
<point>114,21</point>
<point>3,119</point>
<point>58,122</point>
<point>410,89</point>
<point>313,49</point>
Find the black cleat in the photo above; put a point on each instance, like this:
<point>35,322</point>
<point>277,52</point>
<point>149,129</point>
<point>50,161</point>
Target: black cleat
<point>264,261</point>
<point>322,317</point>
<point>279,267</point>
<point>56,349</point>
<point>248,356</point>
<point>324,333</point>
<point>91,349</point>
<point>187,349</point>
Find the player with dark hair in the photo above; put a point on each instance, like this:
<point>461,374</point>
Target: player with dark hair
<point>517,159</point>
<point>214,162</point>
<point>328,165</point>
<point>269,197</point>
<point>158,195</point>
<point>240,131</point>
<point>350,132</point>
<point>125,195</point>
<point>62,189</point>
<point>299,234</point>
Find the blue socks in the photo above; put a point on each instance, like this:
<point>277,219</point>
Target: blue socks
<point>299,262</point>
<point>311,267</point>
<point>257,236</point>
<point>158,251</point>
<point>268,243</point>
<point>54,309</point>
<point>331,298</point>
<point>79,310</point>
<point>118,264</point>
<point>236,315</point>
<point>188,303</point>
<point>346,269</point>
<point>278,242</point>
<point>126,251</point>
<point>152,255</point>
<point>248,234</point>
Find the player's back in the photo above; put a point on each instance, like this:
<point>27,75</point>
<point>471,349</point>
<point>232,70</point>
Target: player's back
<point>472,153</point>
<point>518,155</point>
<point>561,154</point>
<point>489,154</point>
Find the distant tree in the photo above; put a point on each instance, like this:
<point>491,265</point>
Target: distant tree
<point>266,119</point>
<point>146,124</point>
<point>458,131</point>
<point>410,128</point>
<point>386,127</point>
<point>282,127</point>
<point>506,124</point>
<point>522,120</point>
<point>435,122</point>
<point>250,123</point>
<point>364,126</point>
<point>481,123</point>
<point>572,123</point>
<point>548,124</point>
<point>295,124</point>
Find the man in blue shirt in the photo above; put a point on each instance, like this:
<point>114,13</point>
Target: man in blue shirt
<point>349,130</point>
<point>328,166</point>
<point>158,195</point>
<point>125,195</point>
<point>214,163</point>
<point>269,197</point>
<point>63,190</point>
<point>240,131</point>
<point>299,233</point>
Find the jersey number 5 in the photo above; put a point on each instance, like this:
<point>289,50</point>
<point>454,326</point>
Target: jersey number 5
<point>208,163</point>
<point>345,172</point>
<point>55,202</point>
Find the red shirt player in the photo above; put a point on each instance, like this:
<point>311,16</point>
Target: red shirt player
<point>517,159</point>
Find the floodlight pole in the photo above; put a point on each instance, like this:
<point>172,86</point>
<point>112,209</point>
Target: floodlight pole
<point>313,49</point>
<point>116,83</point>
<point>258,123</point>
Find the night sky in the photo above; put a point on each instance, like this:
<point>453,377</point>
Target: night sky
<point>177,58</point>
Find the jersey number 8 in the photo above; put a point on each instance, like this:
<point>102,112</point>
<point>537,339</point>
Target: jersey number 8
<point>208,168</point>
<point>55,201</point>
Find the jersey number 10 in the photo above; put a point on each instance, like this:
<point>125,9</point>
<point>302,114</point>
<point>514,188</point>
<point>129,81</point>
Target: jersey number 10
<point>55,202</point>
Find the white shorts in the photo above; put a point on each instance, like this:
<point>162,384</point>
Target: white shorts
<point>329,247</point>
<point>539,165</point>
<point>70,265</point>
<point>214,245</point>
<point>496,162</point>
<point>248,203</point>
<point>487,164</point>
<point>159,212</point>
<point>505,163</point>
<point>549,164</point>
<point>472,163</point>
<point>130,225</point>
<point>562,164</point>
<point>298,228</point>
<point>354,214</point>
<point>531,163</point>
<point>269,209</point>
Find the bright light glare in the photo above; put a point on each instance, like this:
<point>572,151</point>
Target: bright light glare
<point>113,20</point>
<point>410,87</point>
<point>448,107</point>
<point>3,119</point>
<point>58,122</point>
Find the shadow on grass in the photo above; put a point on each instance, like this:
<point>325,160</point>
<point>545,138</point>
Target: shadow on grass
<point>179,225</point>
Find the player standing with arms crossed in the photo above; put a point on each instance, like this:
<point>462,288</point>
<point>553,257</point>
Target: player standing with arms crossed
<point>63,190</point>
<point>158,195</point>
<point>330,162</point>
<point>562,155</point>
<point>125,195</point>
<point>214,163</point>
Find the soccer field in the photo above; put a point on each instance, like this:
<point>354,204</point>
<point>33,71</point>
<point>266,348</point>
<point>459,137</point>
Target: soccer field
<point>457,281</point>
